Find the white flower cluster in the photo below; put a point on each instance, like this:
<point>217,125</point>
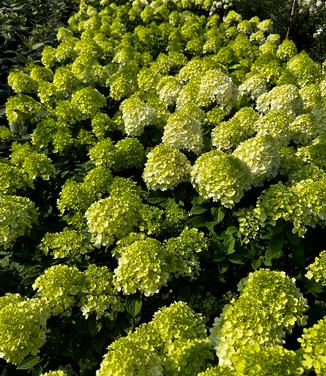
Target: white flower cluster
<point>136,115</point>
<point>183,130</point>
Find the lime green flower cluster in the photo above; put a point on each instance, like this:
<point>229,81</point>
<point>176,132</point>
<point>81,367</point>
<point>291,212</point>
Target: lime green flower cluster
<point>22,327</point>
<point>218,371</point>
<point>183,130</point>
<point>313,347</point>
<point>114,217</point>
<point>283,97</point>
<point>173,343</point>
<point>168,89</point>
<point>183,252</point>
<point>302,204</point>
<point>35,165</point>
<point>220,176</point>
<point>317,270</point>
<point>60,286</point>
<point>227,135</point>
<point>12,179</point>
<point>100,297</point>
<point>145,264</point>
<point>21,82</point>
<point>165,168</point>
<point>126,153</point>
<point>142,266</point>
<point>17,217</point>
<point>88,101</point>
<point>68,243</point>
<point>268,307</point>
<point>305,70</point>
<point>55,373</point>
<point>260,154</point>
<point>77,197</point>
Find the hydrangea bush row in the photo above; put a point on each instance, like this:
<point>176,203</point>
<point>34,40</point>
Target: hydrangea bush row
<point>155,158</point>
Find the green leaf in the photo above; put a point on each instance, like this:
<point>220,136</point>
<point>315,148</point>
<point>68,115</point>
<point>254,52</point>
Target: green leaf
<point>231,230</point>
<point>274,250</point>
<point>29,363</point>
<point>196,210</point>
<point>236,259</point>
<point>197,221</point>
<point>218,214</point>
<point>134,306</point>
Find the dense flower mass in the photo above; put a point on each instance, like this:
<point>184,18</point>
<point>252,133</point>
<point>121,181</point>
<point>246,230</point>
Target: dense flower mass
<point>22,327</point>
<point>159,153</point>
<point>268,307</point>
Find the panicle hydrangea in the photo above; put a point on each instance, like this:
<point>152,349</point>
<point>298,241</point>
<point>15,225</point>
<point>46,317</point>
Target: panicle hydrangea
<point>21,82</point>
<point>188,358</point>
<point>176,323</point>
<point>97,182</point>
<point>229,134</point>
<point>88,70</point>
<point>268,307</point>
<point>260,154</point>
<point>20,109</point>
<point>255,359</point>
<point>65,82</point>
<point>168,89</point>
<point>142,267</point>
<point>12,179</point>
<point>129,153</point>
<point>216,87</point>
<point>253,87</point>
<point>304,69</point>
<point>102,124</point>
<point>41,74</point>
<point>276,124</point>
<point>313,347</point>
<point>182,252</point>
<point>33,164</point>
<point>73,198</point>
<point>67,113</point>
<point>103,153</point>
<point>49,58</point>
<point>22,327</point>
<point>60,286</point>
<point>100,295</point>
<point>317,270</point>
<point>183,131</point>
<point>220,176</point>
<point>136,115</point>
<point>113,218</point>
<point>302,204</point>
<point>55,373</point>
<point>165,168</point>
<point>315,153</point>
<point>218,371</point>
<point>303,130</point>
<point>88,101</point>
<point>67,243</point>
<point>17,217</point>
<point>128,357</point>
<point>286,50</point>
<point>283,97</point>
<point>66,52</point>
